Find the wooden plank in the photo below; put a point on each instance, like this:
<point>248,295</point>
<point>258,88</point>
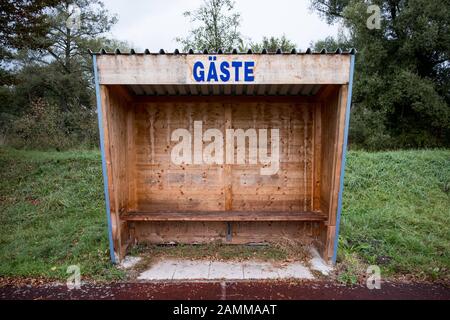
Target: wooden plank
<point>119,126</point>
<point>338,152</point>
<point>194,232</point>
<point>224,216</point>
<point>326,92</point>
<point>131,161</point>
<point>336,174</point>
<point>273,232</point>
<point>317,161</point>
<point>107,123</point>
<point>228,188</point>
<point>329,129</point>
<point>178,69</point>
<point>328,247</point>
<point>227,99</point>
<point>123,91</point>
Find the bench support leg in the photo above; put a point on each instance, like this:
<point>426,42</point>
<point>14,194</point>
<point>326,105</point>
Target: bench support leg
<point>229,236</point>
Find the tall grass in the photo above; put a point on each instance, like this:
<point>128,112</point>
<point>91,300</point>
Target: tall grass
<point>52,214</point>
<point>396,211</point>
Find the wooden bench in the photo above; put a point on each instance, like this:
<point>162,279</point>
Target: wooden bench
<point>226,216</point>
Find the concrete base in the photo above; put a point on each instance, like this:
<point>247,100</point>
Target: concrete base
<point>129,262</point>
<point>214,270</point>
<point>318,264</point>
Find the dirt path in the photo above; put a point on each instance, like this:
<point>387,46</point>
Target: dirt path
<point>270,290</point>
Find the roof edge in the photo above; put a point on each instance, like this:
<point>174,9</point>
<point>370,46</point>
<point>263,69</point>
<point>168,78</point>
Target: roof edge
<point>308,51</point>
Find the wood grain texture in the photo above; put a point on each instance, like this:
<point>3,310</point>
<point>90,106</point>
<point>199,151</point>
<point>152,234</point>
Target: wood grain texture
<point>338,153</point>
<point>115,104</point>
<point>224,216</point>
<point>163,232</point>
<point>177,69</point>
<point>162,185</point>
<point>152,199</point>
<point>333,126</point>
<point>329,139</point>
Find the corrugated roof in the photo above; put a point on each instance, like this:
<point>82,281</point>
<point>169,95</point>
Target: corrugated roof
<point>234,51</point>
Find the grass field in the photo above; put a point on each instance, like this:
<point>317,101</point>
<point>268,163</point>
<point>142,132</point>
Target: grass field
<point>396,214</point>
<point>52,214</point>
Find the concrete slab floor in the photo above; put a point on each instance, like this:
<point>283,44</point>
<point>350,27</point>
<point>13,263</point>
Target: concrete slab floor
<point>191,270</point>
<point>255,270</point>
<point>226,270</point>
<point>174,269</point>
<point>163,270</point>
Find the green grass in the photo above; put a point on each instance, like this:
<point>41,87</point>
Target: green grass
<point>396,214</point>
<point>52,215</point>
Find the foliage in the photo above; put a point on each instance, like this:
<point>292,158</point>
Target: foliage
<point>367,129</point>
<point>331,44</point>
<point>58,74</point>
<point>217,27</point>
<point>272,44</point>
<point>46,127</point>
<point>331,10</point>
<point>69,40</point>
<point>402,70</point>
<point>21,22</point>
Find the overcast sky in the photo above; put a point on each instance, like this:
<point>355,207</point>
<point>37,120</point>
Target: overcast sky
<point>154,24</point>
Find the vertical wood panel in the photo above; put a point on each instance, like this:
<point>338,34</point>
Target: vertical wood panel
<point>116,115</point>
<point>228,187</point>
<point>131,160</point>
<point>329,120</point>
<point>162,185</point>
<point>338,152</point>
<point>317,162</point>
<point>106,110</point>
<point>333,126</point>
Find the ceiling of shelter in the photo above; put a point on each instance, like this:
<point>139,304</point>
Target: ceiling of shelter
<point>231,89</point>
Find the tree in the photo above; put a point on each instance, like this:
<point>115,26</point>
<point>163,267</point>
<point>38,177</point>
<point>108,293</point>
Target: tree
<point>331,44</point>
<point>74,26</point>
<point>331,10</point>
<point>218,27</point>
<point>57,72</point>
<point>402,69</point>
<point>21,22</point>
<point>272,44</point>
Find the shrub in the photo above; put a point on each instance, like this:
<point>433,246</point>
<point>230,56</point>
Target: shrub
<point>44,126</point>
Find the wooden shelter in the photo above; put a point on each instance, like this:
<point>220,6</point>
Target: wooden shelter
<point>301,98</point>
